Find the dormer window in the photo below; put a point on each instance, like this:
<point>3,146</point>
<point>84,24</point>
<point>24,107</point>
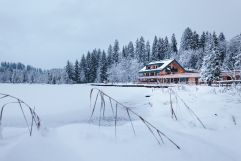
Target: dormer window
<point>153,67</point>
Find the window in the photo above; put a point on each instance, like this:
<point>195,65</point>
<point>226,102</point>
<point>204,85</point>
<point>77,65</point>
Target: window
<point>174,70</point>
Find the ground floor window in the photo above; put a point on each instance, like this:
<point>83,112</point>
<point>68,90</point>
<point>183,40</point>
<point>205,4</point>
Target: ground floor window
<point>183,80</point>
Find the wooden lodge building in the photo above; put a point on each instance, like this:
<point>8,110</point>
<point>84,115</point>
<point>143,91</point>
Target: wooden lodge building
<point>170,71</point>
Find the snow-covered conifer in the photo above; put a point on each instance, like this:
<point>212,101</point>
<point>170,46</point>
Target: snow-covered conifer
<point>116,52</point>
<point>70,72</point>
<point>76,72</point>
<point>147,57</point>
<point>154,53</point>
<point>174,49</point>
<point>186,39</point>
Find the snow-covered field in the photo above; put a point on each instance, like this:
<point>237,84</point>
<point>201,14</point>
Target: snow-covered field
<point>68,134</point>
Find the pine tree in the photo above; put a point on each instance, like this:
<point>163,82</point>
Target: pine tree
<point>131,50</point>
<point>82,68</point>
<point>193,61</point>
<point>221,37</point>
<point>76,72</point>
<point>206,73</point>
<point>211,67</point>
<point>103,68</point>
<point>222,46</point>
<point>98,56</point>
<point>50,78</point>
<point>195,41</point>
<point>237,59</point>
<point>215,40</point>
<point>140,50</point>
<point>186,39</point>
<point>54,80</point>
<point>200,57</point>
<point>203,41</point>
<point>166,49</point>
<point>147,53</point>
<point>238,56</point>
<point>154,53</point>
<point>137,49</point>
<point>110,55</point>
<point>174,44</point>
<point>123,52</point>
<point>161,49</point>
<point>70,72</point>
<point>88,68</point>
<point>93,65</point>
<point>233,49</point>
<point>25,77</point>
<point>116,51</point>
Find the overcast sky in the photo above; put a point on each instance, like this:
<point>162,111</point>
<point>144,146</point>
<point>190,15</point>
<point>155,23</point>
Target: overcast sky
<point>46,33</point>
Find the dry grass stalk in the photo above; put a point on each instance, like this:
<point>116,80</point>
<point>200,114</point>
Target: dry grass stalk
<point>157,134</point>
<point>188,108</point>
<point>21,104</point>
<point>234,120</point>
<point>173,114</point>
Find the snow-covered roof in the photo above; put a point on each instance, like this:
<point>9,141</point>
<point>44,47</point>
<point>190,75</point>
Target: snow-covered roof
<point>191,70</point>
<point>163,63</point>
<point>230,73</point>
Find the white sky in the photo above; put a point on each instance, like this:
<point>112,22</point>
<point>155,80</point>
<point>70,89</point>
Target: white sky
<point>46,33</point>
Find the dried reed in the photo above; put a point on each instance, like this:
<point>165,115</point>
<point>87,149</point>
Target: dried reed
<point>21,104</point>
<point>115,106</point>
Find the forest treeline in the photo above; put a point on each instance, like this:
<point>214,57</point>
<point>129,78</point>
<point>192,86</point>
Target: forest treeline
<point>210,53</point>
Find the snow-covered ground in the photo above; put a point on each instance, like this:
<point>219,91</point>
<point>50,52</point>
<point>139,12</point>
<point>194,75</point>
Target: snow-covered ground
<point>68,134</point>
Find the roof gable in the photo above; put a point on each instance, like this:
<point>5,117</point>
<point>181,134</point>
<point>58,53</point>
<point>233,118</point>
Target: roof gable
<point>163,64</point>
